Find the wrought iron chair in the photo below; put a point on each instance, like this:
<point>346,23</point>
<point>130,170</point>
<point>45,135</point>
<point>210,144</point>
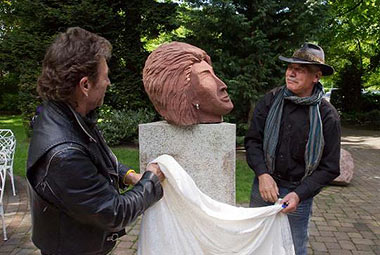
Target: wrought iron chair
<point>8,147</point>
<point>3,175</point>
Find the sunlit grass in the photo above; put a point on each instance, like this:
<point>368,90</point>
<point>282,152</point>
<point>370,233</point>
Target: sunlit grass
<point>14,123</point>
<point>244,179</point>
<point>126,155</point>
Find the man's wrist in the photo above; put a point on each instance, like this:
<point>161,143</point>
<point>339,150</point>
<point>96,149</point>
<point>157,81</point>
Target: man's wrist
<point>125,178</point>
<point>260,169</point>
<point>263,175</point>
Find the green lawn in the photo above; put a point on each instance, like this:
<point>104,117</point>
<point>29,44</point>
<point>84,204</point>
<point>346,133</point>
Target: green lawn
<point>14,123</point>
<point>244,179</point>
<point>244,175</point>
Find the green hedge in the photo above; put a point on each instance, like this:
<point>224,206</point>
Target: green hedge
<point>121,126</point>
<point>368,119</point>
<point>9,103</point>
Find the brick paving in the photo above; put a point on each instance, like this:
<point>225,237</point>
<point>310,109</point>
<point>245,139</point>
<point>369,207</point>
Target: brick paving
<point>346,220</point>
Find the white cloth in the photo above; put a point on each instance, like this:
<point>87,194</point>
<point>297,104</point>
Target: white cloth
<point>187,222</point>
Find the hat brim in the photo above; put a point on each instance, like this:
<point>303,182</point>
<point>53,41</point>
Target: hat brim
<point>326,69</point>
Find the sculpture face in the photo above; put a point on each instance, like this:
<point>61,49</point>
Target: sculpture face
<point>210,93</point>
<point>182,86</point>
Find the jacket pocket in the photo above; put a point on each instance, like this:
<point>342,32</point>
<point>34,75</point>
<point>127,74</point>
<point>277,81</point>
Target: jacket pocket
<point>45,223</point>
<point>78,238</point>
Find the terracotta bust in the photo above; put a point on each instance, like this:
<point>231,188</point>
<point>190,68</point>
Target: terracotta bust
<point>183,87</point>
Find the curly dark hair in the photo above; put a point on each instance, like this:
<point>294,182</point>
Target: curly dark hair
<point>72,56</point>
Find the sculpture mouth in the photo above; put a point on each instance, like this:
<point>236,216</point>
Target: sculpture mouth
<point>225,98</point>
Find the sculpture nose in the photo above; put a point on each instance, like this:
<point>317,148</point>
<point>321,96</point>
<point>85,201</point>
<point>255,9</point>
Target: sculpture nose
<point>222,86</point>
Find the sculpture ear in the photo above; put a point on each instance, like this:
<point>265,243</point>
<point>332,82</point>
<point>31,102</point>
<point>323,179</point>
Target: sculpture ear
<point>192,96</point>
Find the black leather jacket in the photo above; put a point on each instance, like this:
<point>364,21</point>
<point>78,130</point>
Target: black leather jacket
<point>74,181</point>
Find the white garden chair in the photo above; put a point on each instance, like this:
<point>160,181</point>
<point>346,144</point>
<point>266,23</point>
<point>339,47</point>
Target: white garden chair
<point>3,175</point>
<point>8,147</point>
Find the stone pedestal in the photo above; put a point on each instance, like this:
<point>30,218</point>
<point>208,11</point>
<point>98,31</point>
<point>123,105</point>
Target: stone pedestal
<point>205,151</point>
<point>346,169</point>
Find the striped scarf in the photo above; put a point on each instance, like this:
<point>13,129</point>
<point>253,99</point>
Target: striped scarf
<point>315,143</point>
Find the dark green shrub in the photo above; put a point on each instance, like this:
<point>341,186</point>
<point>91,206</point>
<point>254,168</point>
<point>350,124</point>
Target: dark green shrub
<point>336,99</point>
<point>121,126</point>
<point>9,103</point>
<point>370,101</point>
<point>240,141</point>
<point>370,118</point>
<point>241,129</point>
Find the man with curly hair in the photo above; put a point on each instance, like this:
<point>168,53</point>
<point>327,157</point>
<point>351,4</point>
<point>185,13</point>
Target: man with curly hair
<point>74,178</point>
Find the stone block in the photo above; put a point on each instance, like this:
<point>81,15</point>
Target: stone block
<point>346,169</point>
<point>205,151</point>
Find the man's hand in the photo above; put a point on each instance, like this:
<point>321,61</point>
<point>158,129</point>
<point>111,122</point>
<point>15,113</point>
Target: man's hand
<point>268,188</point>
<point>154,168</point>
<point>132,178</point>
<point>292,200</point>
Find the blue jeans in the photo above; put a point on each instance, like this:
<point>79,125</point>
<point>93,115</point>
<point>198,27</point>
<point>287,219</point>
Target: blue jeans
<point>298,220</point>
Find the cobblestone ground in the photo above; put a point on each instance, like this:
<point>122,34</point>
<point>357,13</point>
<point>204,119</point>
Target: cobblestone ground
<point>346,220</point>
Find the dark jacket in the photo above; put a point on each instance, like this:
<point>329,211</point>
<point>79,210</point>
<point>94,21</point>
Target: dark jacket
<point>290,151</point>
<point>74,181</point>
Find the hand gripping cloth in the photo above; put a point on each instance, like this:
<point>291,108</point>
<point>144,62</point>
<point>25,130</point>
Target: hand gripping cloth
<point>187,222</point>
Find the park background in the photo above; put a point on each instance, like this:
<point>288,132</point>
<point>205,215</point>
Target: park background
<point>243,38</point>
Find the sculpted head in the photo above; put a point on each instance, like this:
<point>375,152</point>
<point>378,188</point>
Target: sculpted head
<point>183,87</point>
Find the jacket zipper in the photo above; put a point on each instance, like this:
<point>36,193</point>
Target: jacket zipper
<point>84,130</point>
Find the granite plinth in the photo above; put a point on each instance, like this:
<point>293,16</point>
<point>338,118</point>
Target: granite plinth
<point>205,151</point>
<point>346,168</point>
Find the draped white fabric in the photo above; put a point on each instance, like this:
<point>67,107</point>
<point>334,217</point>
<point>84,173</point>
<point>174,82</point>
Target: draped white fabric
<point>187,222</point>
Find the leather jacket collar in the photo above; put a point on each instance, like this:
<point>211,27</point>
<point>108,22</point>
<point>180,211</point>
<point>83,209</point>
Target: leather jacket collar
<point>53,117</point>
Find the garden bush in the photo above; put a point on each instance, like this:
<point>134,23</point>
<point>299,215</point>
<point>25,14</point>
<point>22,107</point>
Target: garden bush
<point>121,126</point>
<point>370,102</point>
<point>369,119</point>
<point>9,103</point>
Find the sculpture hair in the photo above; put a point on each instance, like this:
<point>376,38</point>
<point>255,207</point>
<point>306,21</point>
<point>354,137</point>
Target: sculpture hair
<point>166,78</point>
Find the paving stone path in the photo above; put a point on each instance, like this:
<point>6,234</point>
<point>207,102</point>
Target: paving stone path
<point>346,220</point>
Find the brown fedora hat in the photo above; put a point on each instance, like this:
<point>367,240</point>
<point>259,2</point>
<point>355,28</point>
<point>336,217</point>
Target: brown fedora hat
<point>310,54</point>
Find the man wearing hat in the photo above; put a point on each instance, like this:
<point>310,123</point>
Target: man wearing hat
<point>293,143</point>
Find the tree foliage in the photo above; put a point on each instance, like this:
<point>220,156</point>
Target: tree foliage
<point>352,34</point>
<point>29,26</point>
<point>243,37</point>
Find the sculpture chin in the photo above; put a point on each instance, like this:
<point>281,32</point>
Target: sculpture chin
<point>214,117</point>
<point>210,119</point>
